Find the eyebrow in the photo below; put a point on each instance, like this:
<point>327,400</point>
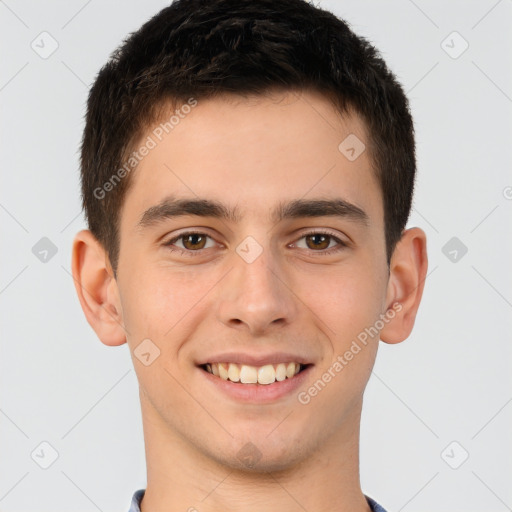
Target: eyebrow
<point>171,208</point>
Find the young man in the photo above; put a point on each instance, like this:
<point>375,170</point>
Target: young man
<point>247,174</point>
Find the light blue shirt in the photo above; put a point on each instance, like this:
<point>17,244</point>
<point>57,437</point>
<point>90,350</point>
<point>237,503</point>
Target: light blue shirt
<point>137,497</point>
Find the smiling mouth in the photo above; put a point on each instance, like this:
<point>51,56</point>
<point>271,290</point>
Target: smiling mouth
<point>246,374</point>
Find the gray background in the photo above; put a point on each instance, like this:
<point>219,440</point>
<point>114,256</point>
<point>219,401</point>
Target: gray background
<point>443,394</point>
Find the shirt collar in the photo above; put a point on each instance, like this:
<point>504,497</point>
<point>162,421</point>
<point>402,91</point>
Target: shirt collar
<point>137,498</point>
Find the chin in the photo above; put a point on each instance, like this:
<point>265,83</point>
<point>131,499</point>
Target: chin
<point>262,455</point>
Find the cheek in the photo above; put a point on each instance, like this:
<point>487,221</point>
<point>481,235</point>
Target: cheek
<point>160,301</point>
<point>347,301</point>
<point>164,306</point>
<point>344,304</point>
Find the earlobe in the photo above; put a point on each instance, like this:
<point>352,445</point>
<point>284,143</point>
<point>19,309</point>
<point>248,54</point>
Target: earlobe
<point>97,289</point>
<point>408,271</point>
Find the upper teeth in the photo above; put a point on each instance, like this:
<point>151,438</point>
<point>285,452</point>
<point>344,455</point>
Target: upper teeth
<point>246,374</point>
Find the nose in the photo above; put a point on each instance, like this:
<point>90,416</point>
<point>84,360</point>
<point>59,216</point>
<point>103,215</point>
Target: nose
<point>255,296</point>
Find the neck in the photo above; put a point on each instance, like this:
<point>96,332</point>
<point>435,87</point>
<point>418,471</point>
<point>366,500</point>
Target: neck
<point>180,477</point>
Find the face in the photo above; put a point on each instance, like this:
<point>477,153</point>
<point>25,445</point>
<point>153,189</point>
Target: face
<point>264,276</point>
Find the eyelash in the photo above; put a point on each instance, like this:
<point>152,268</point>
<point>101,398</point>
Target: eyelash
<point>341,245</point>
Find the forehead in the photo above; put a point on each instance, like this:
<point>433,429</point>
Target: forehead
<point>255,153</point>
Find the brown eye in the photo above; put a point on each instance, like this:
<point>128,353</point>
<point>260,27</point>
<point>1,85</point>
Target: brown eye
<point>318,241</point>
<point>189,243</point>
<point>194,241</point>
<point>321,243</point>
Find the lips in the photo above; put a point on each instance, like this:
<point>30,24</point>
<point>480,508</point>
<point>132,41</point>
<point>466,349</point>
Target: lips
<point>256,377</point>
<point>255,392</point>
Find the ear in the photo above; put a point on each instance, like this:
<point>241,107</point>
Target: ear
<point>408,271</point>
<point>97,289</point>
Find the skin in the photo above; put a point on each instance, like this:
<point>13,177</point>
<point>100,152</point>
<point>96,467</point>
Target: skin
<point>252,153</point>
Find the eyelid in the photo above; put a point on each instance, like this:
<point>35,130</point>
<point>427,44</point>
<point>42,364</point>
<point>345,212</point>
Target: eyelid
<point>322,231</point>
<point>190,231</point>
